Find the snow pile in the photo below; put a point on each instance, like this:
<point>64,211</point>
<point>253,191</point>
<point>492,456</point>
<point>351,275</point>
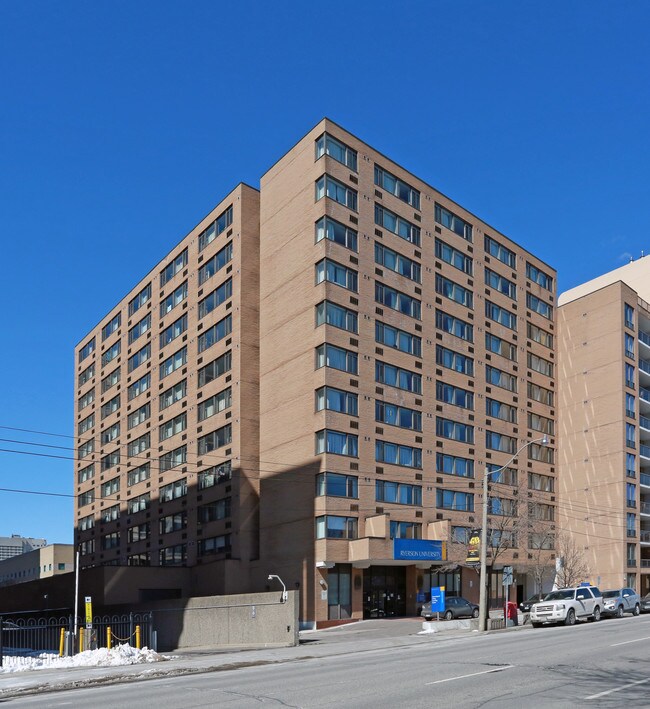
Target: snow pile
<point>102,657</point>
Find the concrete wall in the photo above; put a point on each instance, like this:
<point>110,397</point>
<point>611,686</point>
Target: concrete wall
<point>258,619</point>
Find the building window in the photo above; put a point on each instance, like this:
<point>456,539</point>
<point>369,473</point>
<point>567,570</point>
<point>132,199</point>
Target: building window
<point>87,473</point>
<point>337,442</point>
<point>630,524</point>
<point>138,475</point>
<point>85,449</point>
<point>139,503</point>
<point>539,364</point>
<point>86,424</point>
<point>214,545</point>
<point>453,257</point>
<point>170,333</point>
<point>215,439</point>
<point>337,400</point>
<point>503,506</point>
<point>215,404</point>
<point>454,326</point>
<point>173,394</point>
<point>328,145</point>
<point>398,493</point>
<point>402,190</point>
<point>629,345</point>
<point>454,430</point>
<point>501,347</point>
<point>538,335</point>
<point>214,511</point>
<point>110,461</point>
<point>538,393</point>
<point>213,370</point>
<point>328,228</point>
<point>334,527</point>
<point>629,375</point>
<point>396,300</point>
<point>454,292</point>
<point>178,264</point>
<point>110,541</point>
<point>172,427</point>
<point>216,333</point>
<point>216,298</point>
<point>393,376</point>
<point>398,339</point>
<point>542,512</point>
<point>215,475</point>
<point>173,299</point>
<point>630,405</point>
<point>453,222</point>
<point>630,435</point>
<point>173,490</point>
<point>337,485</point>
<point>400,416</point>
<point>333,272</point>
<point>86,400</point>
<point>544,454</point>
<point>539,306</point>
<point>397,225</point>
<point>499,410</point>
<point>629,317</point>
<point>631,554</point>
<point>215,264</point>
<point>500,442</point>
<point>109,381</point>
<point>499,378</point>
<point>172,523</point>
<point>112,326</point>
<point>138,533</point>
<point>143,296</point>
<point>538,276</point>
<point>396,454</point>
<point>87,350</point>
<point>220,224</point>
<point>173,362</point>
<point>139,328</point>
<point>110,434</point>
<point>327,186</point>
<point>110,406</point>
<point>86,498</point>
<point>172,459</point>
<point>500,315</point>
<point>173,556</point>
<point>405,530</point>
<point>543,483</point>
<point>328,313</point>
<point>630,465</point>
<point>536,422</point>
<point>450,394</point>
<point>86,375</point>
<point>139,416</point>
<point>500,283</point>
<point>111,353</point>
<point>86,523</point>
<point>454,360</point>
<point>336,358</point>
<point>504,476</point>
<point>454,500</point>
<point>454,465</point>
<point>139,386</point>
<point>140,357</point>
<point>500,252</point>
<point>110,514</point>
<point>396,262</point>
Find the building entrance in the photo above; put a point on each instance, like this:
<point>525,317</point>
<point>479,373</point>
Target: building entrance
<point>384,591</point>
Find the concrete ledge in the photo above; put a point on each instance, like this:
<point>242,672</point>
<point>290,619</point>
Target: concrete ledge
<point>441,626</point>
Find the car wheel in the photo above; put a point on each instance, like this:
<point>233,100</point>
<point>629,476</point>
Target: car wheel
<point>475,613</point>
<point>596,614</point>
<point>637,609</point>
<point>619,612</point>
<point>448,615</point>
<point>536,625</point>
<point>571,617</point>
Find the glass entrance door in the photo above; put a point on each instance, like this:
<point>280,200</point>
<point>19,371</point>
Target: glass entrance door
<point>384,591</point>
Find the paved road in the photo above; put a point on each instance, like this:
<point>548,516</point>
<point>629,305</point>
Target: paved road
<point>597,664</point>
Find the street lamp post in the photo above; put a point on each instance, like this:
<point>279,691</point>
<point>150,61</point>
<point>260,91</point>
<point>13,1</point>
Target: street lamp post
<point>482,603</point>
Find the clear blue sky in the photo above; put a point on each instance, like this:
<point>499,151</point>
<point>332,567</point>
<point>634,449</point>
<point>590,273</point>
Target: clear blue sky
<point>123,123</point>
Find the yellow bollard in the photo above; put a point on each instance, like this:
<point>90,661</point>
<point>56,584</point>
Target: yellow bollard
<point>61,642</point>
<point>137,637</point>
<point>108,637</point>
<point>81,640</point>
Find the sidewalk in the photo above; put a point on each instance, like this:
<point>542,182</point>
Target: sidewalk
<point>363,636</point>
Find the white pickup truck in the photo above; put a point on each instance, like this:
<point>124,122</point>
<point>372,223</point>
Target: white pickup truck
<point>567,605</point>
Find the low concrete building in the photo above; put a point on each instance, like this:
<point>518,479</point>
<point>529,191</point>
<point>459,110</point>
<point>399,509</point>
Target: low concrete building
<point>40,563</point>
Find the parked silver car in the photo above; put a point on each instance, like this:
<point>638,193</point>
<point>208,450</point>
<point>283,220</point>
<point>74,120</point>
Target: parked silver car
<point>620,601</point>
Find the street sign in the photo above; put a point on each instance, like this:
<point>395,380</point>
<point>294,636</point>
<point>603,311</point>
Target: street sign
<point>507,575</point>
<point>437,599</point>
<point>89,609</point>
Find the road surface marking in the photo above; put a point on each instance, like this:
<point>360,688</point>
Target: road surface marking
<point>474,674</point>
<point>627,642</point>
<point>618,689</point>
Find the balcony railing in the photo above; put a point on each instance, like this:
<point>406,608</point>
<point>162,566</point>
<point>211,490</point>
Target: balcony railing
<point>644,393</point>
<point>644,536</point>
<point>645,563</point>
<point>644,479</point>
<point>645,338</point>
<point>645,422</point>
<point>644,508</point>
<point>644,366</point>
<point>644,450</point>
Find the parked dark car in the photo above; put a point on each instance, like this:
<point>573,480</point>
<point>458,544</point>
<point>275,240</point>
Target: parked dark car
<point>455,607</point>
<point>645,603</point>
<point>524,606</point>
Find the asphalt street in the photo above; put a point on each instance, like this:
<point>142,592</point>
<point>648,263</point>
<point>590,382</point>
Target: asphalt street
<point>386,664</point>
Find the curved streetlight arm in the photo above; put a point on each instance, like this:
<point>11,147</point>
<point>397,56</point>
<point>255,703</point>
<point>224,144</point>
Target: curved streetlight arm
<point>482,603</point>
<point>284,588</point>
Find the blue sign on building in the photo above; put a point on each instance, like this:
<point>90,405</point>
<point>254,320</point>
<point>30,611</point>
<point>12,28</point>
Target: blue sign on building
<point>417,549</point>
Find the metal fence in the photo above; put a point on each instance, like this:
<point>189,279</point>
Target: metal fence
<point>28,637</point>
